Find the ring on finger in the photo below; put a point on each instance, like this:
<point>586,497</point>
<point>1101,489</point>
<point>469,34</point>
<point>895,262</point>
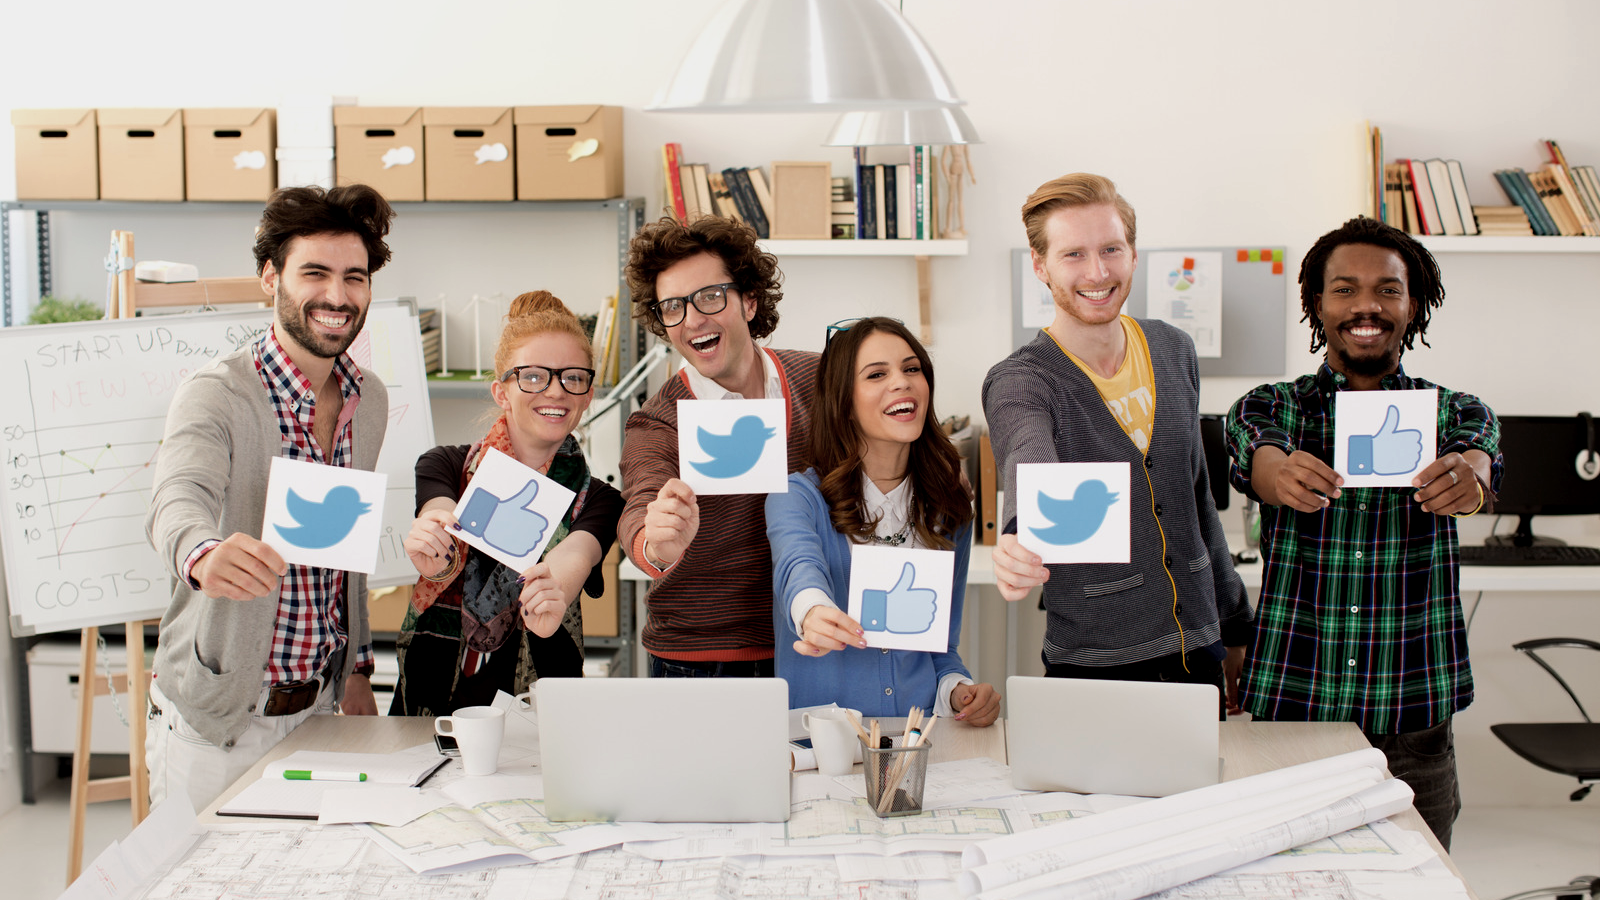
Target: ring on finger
<point>1452,474</point>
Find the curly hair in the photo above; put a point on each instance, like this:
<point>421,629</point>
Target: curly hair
<point>1423,281</point>
<point>300,211</point>
<point>667,242</point>
<point>940,503</point>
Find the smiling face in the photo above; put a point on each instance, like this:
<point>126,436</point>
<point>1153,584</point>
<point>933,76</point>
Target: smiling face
<point>719,346</point>
<point>1364,308</point>
<point>890,401</point>
<point>1088,265</point>
<point>542,421</point>
<point>321,295</point>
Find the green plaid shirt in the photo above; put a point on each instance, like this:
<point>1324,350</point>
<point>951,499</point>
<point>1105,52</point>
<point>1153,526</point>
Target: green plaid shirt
<point>1360,615</point>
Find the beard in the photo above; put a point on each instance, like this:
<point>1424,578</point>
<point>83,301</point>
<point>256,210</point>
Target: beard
<point>1372,365</point>
<point>293,319</point>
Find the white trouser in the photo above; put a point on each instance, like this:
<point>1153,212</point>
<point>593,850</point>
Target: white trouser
<point>180,760</point>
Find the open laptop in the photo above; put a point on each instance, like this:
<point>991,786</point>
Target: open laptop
<point>665,749</point>
<point>1148,739</point>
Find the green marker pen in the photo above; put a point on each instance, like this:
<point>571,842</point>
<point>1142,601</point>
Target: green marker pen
<point>319,775</point>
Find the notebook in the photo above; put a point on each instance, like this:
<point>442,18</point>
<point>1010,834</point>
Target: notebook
<point>273,796</point>
<point>665,749</point>
<point>1147,739</point>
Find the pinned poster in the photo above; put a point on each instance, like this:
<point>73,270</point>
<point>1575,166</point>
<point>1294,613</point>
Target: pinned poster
<point>510,511</point>
<point>1384,438</point>
<point>902,597</point>
<point>734,446</point>
<point>327,516</point>
<point>1075,512</point>
<point>1184,289</point>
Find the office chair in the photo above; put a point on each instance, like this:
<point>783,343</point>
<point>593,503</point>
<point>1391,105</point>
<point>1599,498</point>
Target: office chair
<point>1570,748</point>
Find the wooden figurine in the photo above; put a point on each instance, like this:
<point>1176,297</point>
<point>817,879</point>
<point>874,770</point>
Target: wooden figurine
<point>956,164</point>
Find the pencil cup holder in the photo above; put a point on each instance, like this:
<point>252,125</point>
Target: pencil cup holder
<point>895,778</point>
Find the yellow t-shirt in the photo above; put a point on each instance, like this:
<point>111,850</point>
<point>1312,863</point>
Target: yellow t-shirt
<point>1130,394</point>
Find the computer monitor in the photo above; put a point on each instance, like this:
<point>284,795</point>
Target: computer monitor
<point>1215,444</point>
<point>1542,459</point>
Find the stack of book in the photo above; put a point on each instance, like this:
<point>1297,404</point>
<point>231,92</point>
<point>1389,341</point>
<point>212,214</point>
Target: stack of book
<point>897,200</point>
<point>1558,199</point>
<point>694,190</point>
<point>607,348</point>
<point>1500,221</point>
<point>428,322</point>
<point>844,209</point>
<point>1427,197</point>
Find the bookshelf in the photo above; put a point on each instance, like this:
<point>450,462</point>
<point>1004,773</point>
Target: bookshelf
<point>1509,244</point>
<point>847,247</point>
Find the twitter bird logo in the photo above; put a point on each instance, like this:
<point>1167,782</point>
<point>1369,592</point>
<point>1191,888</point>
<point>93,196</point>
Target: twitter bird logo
<point>321,525</point>
<point>736,452</point>
<point>1075,521</point>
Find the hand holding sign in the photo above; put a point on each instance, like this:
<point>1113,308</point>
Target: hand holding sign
<point>1392,451</point>
<point>902,609</point>
<point>508,509</point>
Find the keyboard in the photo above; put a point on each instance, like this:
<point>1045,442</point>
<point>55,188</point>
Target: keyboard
<point>1538,555</point>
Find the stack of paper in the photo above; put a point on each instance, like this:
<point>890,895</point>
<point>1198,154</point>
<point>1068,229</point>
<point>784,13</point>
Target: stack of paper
<point>275,796</point>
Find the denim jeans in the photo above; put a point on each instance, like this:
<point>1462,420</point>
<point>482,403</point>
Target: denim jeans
<point>686,668</point>
<point>1426,760</point>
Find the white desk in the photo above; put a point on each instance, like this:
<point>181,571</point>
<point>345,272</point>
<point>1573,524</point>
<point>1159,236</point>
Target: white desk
<point>1248,748</point>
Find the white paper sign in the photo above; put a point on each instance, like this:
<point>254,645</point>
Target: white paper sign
<point>326,516</point>
<point>1384,438</point>
<point>1075,512</point>
<point>902,597</point>
<point>510,511</point>
<point>1184,289</point>
<point>733,446</point>
<point>1038,305</point>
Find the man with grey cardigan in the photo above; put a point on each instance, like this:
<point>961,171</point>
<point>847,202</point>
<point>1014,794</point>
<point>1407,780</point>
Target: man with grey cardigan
<point>250,645</point>
<point>1098,386</point>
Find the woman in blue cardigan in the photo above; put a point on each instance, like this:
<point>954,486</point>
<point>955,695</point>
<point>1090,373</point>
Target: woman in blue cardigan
<point>884,473</point>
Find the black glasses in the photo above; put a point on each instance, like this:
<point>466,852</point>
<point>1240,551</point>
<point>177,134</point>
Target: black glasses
<point>847,324</point>
<point>536,379</point>
<point>710,300</point>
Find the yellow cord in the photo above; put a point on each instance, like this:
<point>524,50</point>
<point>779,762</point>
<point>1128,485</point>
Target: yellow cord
<point>1183,647</point>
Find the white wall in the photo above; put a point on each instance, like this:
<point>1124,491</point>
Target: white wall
<point>1224,123</point>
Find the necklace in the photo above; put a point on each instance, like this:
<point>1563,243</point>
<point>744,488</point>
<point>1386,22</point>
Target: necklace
<point>896,539</point>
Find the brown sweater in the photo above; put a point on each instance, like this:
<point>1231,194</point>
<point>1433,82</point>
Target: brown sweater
<point>715,604</point>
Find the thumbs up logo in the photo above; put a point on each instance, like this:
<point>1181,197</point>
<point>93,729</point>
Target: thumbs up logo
<point>1392,451</point>
<point>506,525</point>
<point>902,609</point>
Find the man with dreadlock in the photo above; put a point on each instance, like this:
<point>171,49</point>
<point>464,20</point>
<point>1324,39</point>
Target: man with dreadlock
<point>1360,616</point>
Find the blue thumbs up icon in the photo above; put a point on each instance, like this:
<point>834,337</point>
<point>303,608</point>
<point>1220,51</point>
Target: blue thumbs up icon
<point>902,609</point>
<point>506,525</point>
<point>1392,451</point>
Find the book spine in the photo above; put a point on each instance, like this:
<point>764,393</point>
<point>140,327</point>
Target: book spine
<point>869,191</point>
<point>879,199</point>
<point>1427,210</point>
<point>1512,188</point>
<point>675,181</point>
<point>891,203</point>
<point>1535,205</point>
<point>1408,191</point>
<point>757,217</point>
<point>919,155</point>
<point>860,155</point>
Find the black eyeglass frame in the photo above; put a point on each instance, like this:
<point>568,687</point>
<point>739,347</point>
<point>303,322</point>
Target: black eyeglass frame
<point>556,376</point>
<point>693,298</point>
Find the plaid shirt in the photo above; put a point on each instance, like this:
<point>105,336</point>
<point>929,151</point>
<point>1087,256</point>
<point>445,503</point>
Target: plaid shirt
<point>1360,615</point>
<point>310,626</point>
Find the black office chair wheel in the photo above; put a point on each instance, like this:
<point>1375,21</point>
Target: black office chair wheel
<point>1584,887</point>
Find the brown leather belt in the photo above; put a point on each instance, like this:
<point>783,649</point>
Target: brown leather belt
<point>289,697</point>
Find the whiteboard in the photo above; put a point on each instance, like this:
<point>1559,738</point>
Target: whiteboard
<point>81,422</point>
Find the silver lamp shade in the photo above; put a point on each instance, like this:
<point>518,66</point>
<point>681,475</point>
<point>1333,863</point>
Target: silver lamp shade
<point>902,127</point>
<point>805,56</point>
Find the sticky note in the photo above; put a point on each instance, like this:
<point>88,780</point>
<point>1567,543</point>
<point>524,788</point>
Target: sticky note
<point>1244,256</point>
<point>1255,256</point>
<point>1277,256</point>
<point>1277,268</point>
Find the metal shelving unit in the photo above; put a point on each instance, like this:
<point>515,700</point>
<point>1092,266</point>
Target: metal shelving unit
<point>629,213</point>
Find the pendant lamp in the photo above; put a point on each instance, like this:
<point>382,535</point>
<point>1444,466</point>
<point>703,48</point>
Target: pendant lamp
<point>902,127</point>
<point>806,56</point>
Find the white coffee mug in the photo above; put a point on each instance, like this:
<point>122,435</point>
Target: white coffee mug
<point>478,731</point>
<point>833,737</point>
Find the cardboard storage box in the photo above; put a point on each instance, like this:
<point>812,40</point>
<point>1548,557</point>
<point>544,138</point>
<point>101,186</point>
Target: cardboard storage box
<point>141,154</point>
<point>53,692</point>
<point>229,154</point>
<point>569,152</point>
<point>600,613</point>
<point>58,154</point>
<point>386,608</point>
<point>380,146</point>
<point>468,153</point>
